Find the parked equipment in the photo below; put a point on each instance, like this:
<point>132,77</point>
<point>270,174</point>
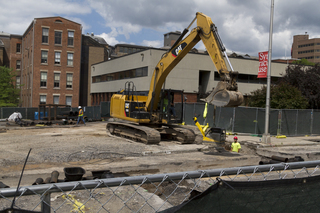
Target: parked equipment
<point>151,116</point>
<point>211,134</point>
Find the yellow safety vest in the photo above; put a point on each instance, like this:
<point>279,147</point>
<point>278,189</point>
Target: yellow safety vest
<point>80,112</point>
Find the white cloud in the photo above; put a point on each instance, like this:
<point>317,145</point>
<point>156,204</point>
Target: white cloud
<point>111,40</point>
<point>16,16</point>
<point>156,44</point>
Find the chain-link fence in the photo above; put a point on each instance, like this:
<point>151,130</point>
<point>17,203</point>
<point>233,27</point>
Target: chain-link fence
<point>233,119</point>
<point>286,187</point>
<point>290,122</point>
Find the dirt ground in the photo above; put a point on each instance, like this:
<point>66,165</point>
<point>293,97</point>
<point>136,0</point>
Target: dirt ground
<point>91,147</point>
<point>56,147</point>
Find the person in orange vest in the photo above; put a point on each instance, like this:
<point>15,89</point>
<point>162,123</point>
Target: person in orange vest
<point>80,115</point>
<point>235,146</point>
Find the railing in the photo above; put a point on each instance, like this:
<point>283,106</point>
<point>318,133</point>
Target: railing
<point>150,193</point>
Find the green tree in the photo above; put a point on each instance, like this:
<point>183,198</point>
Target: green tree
<point>282,96</point>
<point>9,95</point>
<point>303,61</point>
<point>307,80</point>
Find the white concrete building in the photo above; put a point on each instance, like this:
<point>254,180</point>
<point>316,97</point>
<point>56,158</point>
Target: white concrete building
<point>195,74</point>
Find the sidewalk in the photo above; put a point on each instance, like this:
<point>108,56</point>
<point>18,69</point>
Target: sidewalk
<point>307,147</point>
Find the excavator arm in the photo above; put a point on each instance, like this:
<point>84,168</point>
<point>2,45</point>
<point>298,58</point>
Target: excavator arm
<point>225,93</point>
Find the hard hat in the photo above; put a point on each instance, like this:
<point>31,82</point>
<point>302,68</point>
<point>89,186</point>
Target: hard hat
<point>79,107</point>
<point>235,137</point>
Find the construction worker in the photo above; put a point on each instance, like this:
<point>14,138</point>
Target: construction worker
<point>80,115</point>
<point>235,146</point>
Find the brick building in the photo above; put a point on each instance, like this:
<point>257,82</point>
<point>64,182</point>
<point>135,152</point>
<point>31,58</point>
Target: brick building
<point>50,69</point>
<point>303,47</point>
<point>10,53</point>
<point>94,50</point>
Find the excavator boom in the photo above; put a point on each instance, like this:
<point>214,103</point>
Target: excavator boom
<point>225,93</point>
<point>150,115</point>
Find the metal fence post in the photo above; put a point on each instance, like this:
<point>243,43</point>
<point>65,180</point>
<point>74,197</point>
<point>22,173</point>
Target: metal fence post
<point>45,203</point>
<point>100,110</point>
<point>194,108</point>
<point>296,131</point>
<point>234,117</point>
<point>311,122</point>
<point>256,124</point>
<point>1,113</point>
<point>93,113</point>
<point>279,123</point>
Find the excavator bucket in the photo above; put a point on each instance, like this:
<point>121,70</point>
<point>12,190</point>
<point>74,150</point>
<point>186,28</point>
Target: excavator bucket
<point>227,98</point>
<point>222,97</point>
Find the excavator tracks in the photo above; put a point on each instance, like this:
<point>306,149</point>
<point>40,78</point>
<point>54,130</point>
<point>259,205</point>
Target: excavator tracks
<point>182,135</point>
<point>149,135</point>
<point>134,132</point>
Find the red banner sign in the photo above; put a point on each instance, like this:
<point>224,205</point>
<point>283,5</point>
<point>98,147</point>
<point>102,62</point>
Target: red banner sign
<point>263,64</point>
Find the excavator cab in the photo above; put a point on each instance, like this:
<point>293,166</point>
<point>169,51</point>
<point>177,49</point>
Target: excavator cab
<point>168,111</point>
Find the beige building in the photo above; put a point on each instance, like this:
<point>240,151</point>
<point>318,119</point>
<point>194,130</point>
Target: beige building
<point>195,74</point>
<point>303,47</point>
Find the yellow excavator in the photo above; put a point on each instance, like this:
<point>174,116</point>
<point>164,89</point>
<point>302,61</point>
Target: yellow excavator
<point>150,118</point>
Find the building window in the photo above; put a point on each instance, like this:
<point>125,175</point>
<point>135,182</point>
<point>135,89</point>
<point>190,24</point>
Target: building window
<point>56,99</point>
<point>68,100</point>
<point>70,38</point>
<point>43,79</point>
<point>18,65</point>
<point>69,80</point>
<point>70,59</point>
<point>45,35</point>
<point>57,56</point>
<point>18,48</point>
<point>18,82</point>
<point>133,73</point>
<point>57,37</point>
<point>44,56</point>
<point>43,99</point>
<point>56,80</point>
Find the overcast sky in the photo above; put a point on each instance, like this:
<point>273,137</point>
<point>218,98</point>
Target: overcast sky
<point>243,25</point>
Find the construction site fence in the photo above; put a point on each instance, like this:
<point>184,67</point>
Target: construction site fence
<point>282,187</point>
<point>91,112</point>
<point>289,122</point>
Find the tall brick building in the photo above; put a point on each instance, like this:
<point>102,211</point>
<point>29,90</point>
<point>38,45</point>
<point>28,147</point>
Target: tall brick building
<point>50,69</point>
<point>303,47</point>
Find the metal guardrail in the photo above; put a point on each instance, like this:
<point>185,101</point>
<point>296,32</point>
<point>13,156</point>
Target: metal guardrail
<point>149,193</point>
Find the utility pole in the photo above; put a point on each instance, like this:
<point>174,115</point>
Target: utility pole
<point>266,135</point>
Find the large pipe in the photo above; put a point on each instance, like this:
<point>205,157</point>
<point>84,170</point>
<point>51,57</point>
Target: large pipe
<point>54,177</point>
<point>38,181</point>
<point>47,180</point>
<point>278,158</point>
